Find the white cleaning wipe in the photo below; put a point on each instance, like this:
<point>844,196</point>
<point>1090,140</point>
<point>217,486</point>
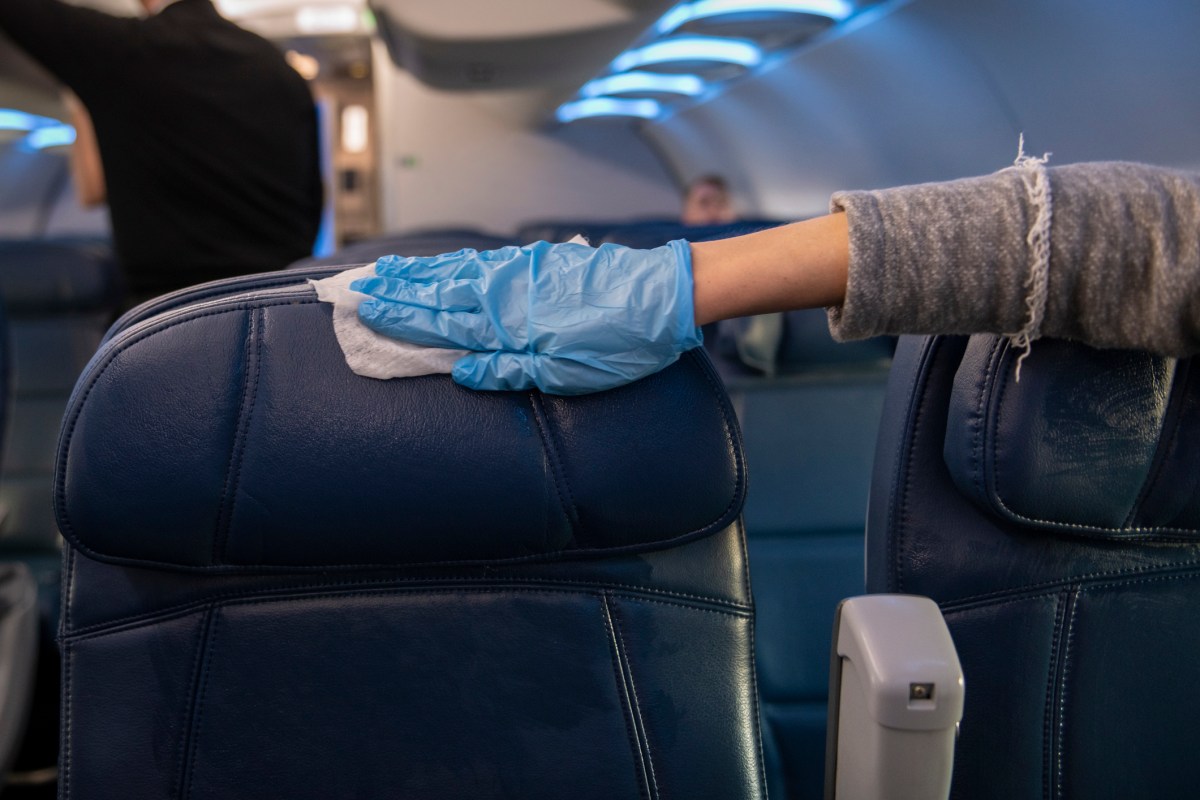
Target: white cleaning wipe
<point>372,354</point>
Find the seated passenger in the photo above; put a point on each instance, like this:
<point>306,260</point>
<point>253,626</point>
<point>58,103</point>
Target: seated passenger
<point>707,202</point>
<point>1120,267</point>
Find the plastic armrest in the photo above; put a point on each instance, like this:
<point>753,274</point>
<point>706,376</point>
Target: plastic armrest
<point>895,701</point>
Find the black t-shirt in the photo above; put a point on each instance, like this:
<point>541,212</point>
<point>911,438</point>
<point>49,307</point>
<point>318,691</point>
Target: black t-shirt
<point>207,137</point>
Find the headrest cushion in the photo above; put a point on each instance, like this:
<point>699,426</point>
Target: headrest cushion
<point>231,434</point>
<point>1093,442</point>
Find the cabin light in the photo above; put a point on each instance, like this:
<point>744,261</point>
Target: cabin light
<point>679,16</point>
<point>312,20</point>
<point>49,136</point>
<point>246,8</point>
<point>607,107</point>
<point>13,120</point>
<point>632,82</point>
<point>690,48</point>
<point>354,129</point>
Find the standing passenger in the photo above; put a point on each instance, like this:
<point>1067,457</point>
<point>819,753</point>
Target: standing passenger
<point>207,138</point>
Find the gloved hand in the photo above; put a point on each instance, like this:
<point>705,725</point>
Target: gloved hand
<point>566,318</point>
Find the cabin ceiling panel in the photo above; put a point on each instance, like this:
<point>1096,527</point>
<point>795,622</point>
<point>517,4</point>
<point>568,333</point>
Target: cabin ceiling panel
<point>481,45</point>
<point>890,103</point>
<point>489,19</point>
<point>1090,79</point>
<point>938,89</point>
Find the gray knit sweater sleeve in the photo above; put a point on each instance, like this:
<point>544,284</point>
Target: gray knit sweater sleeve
<point>1104,253</point>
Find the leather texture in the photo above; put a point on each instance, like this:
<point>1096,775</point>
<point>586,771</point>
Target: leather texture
<point>18,656</point>
<point>605,651</point>
<point>248,472</point>
<point>1044,452</point>
<point>1051,521</point>
<point>58,297</point>
<point>58,275</point>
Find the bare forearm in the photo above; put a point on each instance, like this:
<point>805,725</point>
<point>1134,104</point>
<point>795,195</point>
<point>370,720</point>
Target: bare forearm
<point>86,168</point>
<point>802,265</point>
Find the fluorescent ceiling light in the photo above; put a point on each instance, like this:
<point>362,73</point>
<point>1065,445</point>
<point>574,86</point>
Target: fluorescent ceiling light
<point>690,48</point>
<point>49,136</point>
<point>630,82</point>
<point>327,19</point>
<point>354,129</point>
<point>607,107</point>
<point>13,120</point>
<point>679,16</point>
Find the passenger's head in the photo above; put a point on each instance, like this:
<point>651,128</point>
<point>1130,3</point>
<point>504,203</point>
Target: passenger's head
<point>707,202</point>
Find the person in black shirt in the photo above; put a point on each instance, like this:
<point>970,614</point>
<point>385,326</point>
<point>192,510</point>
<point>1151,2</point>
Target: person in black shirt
<point>207,137</point>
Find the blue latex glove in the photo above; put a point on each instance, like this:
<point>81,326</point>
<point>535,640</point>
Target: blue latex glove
<point>566,318</point>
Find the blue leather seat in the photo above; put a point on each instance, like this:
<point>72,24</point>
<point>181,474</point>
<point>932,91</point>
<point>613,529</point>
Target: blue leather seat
<point>18,617</point>
<point>1056,521</point>
<point>59,295</point>
<point>286,580</point>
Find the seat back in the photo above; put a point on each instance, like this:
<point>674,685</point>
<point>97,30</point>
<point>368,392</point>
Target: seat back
<point>59,296</point>
<point>287,580</point>
<point>1056,521</point>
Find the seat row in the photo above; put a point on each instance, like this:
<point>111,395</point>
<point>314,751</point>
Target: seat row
<point>284,579</point>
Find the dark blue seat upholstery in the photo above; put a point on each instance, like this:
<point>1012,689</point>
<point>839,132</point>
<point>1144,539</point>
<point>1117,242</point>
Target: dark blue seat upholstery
<point>286,580</point>
<point>59,295</point>
<point>18,617</point>
<point>657,234</point>
<point>1056,521</point>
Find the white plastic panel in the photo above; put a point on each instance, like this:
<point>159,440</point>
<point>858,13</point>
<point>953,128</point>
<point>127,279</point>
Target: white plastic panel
<point>482,160</point>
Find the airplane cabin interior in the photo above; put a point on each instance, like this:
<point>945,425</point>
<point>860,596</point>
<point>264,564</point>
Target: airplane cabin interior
<point>783,566</point>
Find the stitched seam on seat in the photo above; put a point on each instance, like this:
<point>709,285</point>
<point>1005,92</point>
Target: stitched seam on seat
<point>68,578</point>
<point>102,629</point>
<point>1172,418</point>
<point>199,693</point>
<point>625,695</point>
<point>899,522</point>
<point>1123,533</point>
<point>237,447</point>
<point>731,441</point>
<point>558,474</point>
<point>756,722</point>
<point>183,762</point>
<point>1096,578</point>
<point>65,739</point>
<point>747,586</point>
<point>639,720</point>
<point>1061,722</point>
<point>67,529</point>
<point>77,407</point>
<point>978,450</point>
<point>1049,720</point>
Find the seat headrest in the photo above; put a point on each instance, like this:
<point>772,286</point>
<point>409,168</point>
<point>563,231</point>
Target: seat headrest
<point>55,275</point>
<point>230,434</point>
<point>1091,442</point>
